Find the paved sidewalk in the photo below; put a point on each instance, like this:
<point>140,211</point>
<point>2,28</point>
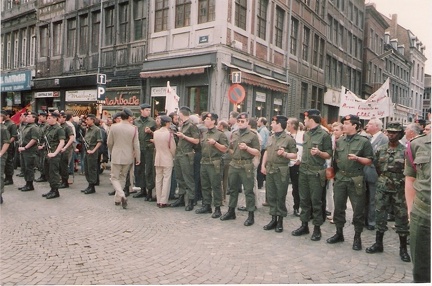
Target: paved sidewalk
<point>86,239</point>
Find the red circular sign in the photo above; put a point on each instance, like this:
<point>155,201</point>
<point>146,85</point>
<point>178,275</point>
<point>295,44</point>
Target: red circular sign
<point>236,93</point>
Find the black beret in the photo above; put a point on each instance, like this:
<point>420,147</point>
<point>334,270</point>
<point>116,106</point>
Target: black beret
<point>92,116</point>
<point>312,112</point>
<point>350,117</point>
<point>54,114</point>
<point>242,115</point>
<point>116,115</point>
<point>43,113</point>
<point>128,112</point>
<point>185,108</point>
<point>213,116</point>
<point>279,118</point>
<point>145,105</point>
<point>165,118</point>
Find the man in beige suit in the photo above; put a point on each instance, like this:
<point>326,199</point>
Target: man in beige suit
<point>124,147</point>
<point>165,145</point>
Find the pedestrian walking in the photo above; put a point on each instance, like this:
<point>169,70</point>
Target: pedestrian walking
<point>123,145</point>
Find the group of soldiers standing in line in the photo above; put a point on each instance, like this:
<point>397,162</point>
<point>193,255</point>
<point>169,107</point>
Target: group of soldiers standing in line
<point>162,154</point>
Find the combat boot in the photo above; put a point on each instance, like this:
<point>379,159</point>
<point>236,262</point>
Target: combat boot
<point>229,215</point>
<point>41,179</point>
<point>64,184</point>
<point>271,224</point>
<point>303,229</point>
<point>149,196</point>
<point>250,220</point>
<point>88,188</point>
<point>8,180</point>
<point>180,202</point>
<point>28,187</point>
<point>316,235</point>
<point>279,225</point>
<point>403,252</point>
<point>91,190</point>
<point>141,194</point>
<point>217,213</point>
<point>190,205</point>
<point>378,245</point>
<point>46,194</point>
<point>357,245</point>
<point>53,194</point>
<point>205,209</point>
<point>338,237</point>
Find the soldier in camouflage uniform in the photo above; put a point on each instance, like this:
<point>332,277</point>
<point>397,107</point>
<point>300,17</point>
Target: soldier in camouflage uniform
<point>389,163</point>
<point>42,151</point>
<point>4,145</point>
<point>244,146</point>
<point>9,161</point>
<point>54,138</point>
<point>213,145</point>
<point>281,147</point>
<point>66,151</point>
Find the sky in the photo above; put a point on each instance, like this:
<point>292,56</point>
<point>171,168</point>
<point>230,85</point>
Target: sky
<point>414,15</point>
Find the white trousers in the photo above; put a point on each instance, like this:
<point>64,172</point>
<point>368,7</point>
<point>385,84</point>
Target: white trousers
<point>118,179</point>
<point>163,183</point>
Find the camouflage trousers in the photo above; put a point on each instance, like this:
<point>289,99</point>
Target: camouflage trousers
<point>383,201</point>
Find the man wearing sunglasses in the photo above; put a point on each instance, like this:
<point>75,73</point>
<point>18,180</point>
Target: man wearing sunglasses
<point>244,146</point>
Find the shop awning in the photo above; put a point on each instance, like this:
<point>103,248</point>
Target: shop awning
<point>174,72</point>
<point>256,79</point>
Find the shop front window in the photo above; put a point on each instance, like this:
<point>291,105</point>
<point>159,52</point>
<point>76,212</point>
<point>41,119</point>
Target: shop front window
<point>260,104</point>
<point>198,99</point>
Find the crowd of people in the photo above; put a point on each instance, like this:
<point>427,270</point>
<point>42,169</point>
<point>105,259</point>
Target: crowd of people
<point>186,158</point>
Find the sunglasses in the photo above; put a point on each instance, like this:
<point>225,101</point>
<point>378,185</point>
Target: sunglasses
<point>241,120</point>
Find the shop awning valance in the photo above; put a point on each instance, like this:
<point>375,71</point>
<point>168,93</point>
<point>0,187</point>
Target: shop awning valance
<point>174,72</point>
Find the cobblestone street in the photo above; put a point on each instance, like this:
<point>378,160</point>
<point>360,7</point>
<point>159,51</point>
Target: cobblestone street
<point>86,239</point>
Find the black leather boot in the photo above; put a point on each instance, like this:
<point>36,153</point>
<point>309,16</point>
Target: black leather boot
<point>53,194</point>
<point>229,215</point>
<point>190,205</point>
<point>8,180</point>
<point>41,179</point>
<point>357,245</point>
<point>149,196</point>
<point>205,209</point>
<point>180,202</point>
<point>338,237</point>
<point>141,194</point>
<point>279,225</point>
<point>303,229</point>
<point>316,235</point>
<point>271,224</point>
<point>403,252</point>
<point>91,190</point>
<point>64,184</point>
<point>28,187</point>
<point>378,245</point>
<point>250,220</point>
<point>46,194</point>
<point>217,213</point>
<point>88,188</point>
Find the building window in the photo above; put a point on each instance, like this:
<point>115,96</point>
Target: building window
<point>317,6</point>
<point>32,57</point>
<point>294,36</point>
<point>323,3</point>
<point>16,50</point>
<point>8,51</point>
<point>24,48</point>
<point>161,15</point>
<point>198,98</point>
<point>315,50</point>
<point>83,34</point>
<point>57,37</point>
<point>95,31</point>
<point>44,41</point>
<point>71,37</point>
<point>124,23</point>
<point>280,16</point>
<point>314,97</point>
<point>183,11</point>
<point>109,26</point>
<point>328,70</point>
<point>140,23</point>
<point>240,13</point>
<point>262,19</point>
<point>321,54</point>
<point>305,47</point>
<point>304,96</point>
<point>206,11</point>
<point>340,35</point>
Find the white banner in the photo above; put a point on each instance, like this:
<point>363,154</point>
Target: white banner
<point>172,100</point>
<point>378,105</point>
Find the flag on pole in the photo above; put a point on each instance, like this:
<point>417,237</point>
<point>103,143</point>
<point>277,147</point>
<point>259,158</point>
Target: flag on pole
<point>16,117</point>
<point>171,100</point>
<point>378,105</point>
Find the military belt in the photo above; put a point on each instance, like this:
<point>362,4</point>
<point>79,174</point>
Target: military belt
<point>311,168</point>
<point>349,174</point>
<point>241,161</point>
<point>210,160</point>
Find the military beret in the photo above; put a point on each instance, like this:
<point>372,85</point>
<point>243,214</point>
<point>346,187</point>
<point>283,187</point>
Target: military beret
<point>312,112</point>
<point>242,115</point>
<point>128,112</point>
<point>165,118</point>
<point>92,116</point>
<point>351,117</point>
<point>117,114</point>
<point>185,108</point>
<point>54,114</point>
<point>43,113</point>
<point>394,127</point>
<point>421,122</point>
<point>145,105</point>
<point>279,118</point>
<point>213,116</point>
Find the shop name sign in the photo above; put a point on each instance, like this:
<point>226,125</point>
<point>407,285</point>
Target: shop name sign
<point>81,95</point>
<point>119,100</point>
<point>16,81</point>
<point>46,94</point>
